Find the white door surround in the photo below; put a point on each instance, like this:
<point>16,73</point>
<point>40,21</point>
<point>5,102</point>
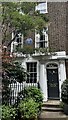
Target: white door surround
<point>43,77</point>
<point>42,73</point>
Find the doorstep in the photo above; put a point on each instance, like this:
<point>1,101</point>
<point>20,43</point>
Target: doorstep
<point>51,110</point>
<point>47,115</point>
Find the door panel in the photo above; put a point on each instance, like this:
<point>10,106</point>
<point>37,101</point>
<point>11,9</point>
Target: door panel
<point>53,83</point>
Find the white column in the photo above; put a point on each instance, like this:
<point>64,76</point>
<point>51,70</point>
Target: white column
<point>62,74</point>
<point>43,84</point>
<point>62,71</point>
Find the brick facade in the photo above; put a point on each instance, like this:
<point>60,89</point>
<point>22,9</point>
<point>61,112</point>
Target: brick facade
<point>57,28</point>
<point>67,27</point>
<point>67,37</point>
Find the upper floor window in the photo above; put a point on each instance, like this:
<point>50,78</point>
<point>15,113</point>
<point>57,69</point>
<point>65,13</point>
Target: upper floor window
<point>41,7</point>
<point>41,39</point>
<point>17,43</point>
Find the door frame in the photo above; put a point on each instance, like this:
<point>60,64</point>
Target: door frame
<point>53,66</point>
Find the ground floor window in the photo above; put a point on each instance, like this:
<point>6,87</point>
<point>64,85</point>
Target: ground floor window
<point>32,72</point>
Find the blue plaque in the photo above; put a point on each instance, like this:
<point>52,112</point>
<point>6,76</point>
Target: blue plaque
<point>28,41</point>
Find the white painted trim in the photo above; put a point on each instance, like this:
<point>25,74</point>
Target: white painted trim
<point>28,60</point>
<point>12,42</point>
<point>62,74</point>
<point>42,74</point>
<point>37,38</point>
<point>43,82</point>
<point>42,6</point>
<point>45,93</point>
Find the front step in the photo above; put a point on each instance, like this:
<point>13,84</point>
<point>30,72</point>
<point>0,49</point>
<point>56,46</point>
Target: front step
<point>52,109</point>
<point>52,116</point>
<point>51,105</point>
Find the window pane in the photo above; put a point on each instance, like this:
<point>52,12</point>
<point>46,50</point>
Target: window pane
<point>35,77</point>
<point>35,65</point>
<point>42,44</point>
<point>27,67</point>
<point>42,37</point>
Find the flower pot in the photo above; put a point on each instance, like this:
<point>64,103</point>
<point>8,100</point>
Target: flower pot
<point>65,108</point>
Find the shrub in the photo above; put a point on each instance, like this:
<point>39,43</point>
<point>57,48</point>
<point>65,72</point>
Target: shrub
<point>8,113</point>
<point>0,112</point>
<point>28,109</point>
<point>34,93</point>
<point>64,91</point>
<point>61,104</point>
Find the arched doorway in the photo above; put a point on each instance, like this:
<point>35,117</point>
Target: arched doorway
<point>52,81</point>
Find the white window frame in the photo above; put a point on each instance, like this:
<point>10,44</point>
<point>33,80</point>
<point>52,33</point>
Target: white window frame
<point>15,43</point>
<point>41,8</point>
<point>32,72</point>
<point>37,38</point>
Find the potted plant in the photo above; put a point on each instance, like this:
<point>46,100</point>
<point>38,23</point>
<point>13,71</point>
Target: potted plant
<point>64,95</point>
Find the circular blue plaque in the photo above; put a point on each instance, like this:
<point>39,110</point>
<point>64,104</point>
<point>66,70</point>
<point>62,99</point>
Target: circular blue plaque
<point>28,41</point>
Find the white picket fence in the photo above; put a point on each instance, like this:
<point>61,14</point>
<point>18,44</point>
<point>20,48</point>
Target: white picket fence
<point>16,88</point>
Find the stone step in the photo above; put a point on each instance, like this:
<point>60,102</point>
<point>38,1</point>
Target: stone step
<point>45,115</point>
<point>52,109</point>
<point>52,103</point>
